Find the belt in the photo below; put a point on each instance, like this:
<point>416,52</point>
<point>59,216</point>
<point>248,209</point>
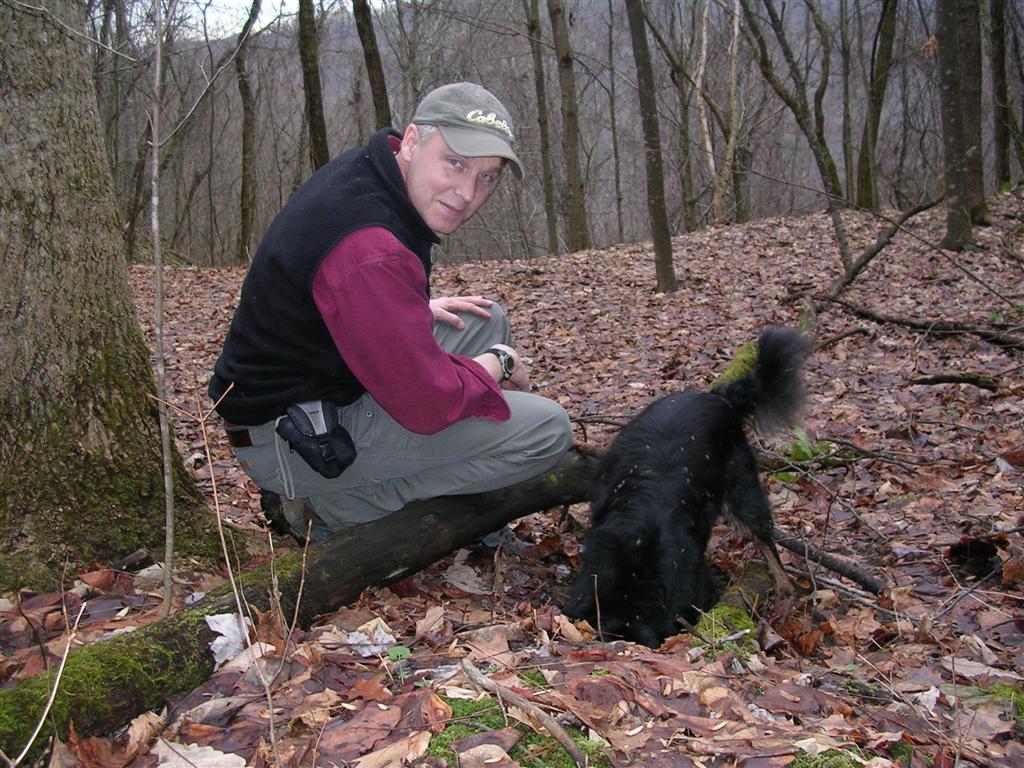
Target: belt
<point>238,437</point>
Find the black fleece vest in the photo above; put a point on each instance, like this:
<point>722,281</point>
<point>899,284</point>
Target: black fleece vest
<point>278,349</point>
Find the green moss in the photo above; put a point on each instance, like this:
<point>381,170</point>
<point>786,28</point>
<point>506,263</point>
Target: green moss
<point>533,677</point>
<point>833,758</point>
<point>742,363</point>
<point>724,621</point>
<point>533,751</point>
<point>108,683</point>
<point>1011,695</point>
<point>902,753</point>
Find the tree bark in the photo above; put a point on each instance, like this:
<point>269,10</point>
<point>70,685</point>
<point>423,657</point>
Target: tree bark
<point>80,466</point>
<point>108,683</point>
<point>958,215</point>
<point>881,63</point>
<point>533,31</point>
<point>579,233</point>
<point>971,87</point>
<point>664,268</point>
<point>1000,94</point>
<point>309,57</point>
<point>374,67</point>
<point>247,195</point>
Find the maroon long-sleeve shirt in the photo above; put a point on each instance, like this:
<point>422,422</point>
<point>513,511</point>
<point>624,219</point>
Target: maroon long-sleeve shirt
<point>372,294</point>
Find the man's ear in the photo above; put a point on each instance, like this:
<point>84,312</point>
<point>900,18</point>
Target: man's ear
<point>410,139</point>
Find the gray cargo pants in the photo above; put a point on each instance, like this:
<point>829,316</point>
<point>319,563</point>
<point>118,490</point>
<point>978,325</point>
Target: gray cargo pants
<point>394,466</point>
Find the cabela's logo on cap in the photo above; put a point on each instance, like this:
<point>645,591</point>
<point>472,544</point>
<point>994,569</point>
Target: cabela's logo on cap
<point>491,120</point>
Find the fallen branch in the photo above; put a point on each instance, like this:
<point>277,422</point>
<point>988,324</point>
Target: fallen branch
<point>868,255</point>
<point>999,338</point>
<point>835,563</point>
<point>979,380</point>
<point>480,680</point>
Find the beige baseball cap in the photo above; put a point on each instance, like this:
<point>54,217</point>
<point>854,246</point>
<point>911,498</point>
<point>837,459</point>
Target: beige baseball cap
<point>472,122</point>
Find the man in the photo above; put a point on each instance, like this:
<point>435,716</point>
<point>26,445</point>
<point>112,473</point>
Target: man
<point>335,321</point>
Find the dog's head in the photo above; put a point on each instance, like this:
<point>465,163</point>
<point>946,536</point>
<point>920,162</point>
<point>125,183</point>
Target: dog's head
<point>620,589</point>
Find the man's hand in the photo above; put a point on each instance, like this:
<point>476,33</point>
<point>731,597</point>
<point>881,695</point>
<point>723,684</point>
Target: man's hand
<point>445,309</point>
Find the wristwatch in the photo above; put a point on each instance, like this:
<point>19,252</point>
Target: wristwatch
<point>508,362</point>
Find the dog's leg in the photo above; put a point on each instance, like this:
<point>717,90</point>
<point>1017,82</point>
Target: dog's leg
<point>748,503</point>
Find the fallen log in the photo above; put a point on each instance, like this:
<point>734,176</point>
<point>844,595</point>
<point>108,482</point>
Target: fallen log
<point>106,684</point>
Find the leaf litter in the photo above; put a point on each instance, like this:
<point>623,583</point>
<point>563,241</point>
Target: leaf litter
<point>921,485</point>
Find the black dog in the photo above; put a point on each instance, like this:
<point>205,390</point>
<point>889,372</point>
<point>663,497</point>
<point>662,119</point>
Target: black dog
<point>657,493</point>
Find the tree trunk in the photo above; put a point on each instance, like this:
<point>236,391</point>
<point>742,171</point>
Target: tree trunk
<point>969,35</point>
<point>612,110</point>
<point>374,67</point>
<point>1000,94</point>
<point>664,269</point>
<point>958,215</point>
<point>531,8</point>
<point>579,233</point>
<point>309,57</point>
<point>80,465</point>
<point>108,683</point>
<point>881,63</point>
<point>247,195</point>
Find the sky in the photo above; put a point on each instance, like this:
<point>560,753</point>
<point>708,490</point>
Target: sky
<point>226,17</point>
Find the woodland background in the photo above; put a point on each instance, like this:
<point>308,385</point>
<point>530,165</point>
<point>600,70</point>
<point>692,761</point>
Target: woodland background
<point>134,136</point>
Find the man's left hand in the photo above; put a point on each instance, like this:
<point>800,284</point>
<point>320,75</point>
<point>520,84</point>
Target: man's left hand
<point>446,309</point>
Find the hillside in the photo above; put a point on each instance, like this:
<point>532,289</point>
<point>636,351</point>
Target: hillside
<point>920,484</point>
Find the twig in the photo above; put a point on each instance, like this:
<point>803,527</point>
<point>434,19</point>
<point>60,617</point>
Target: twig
<point>999,338</point>
<point>505,694</point>
<point>839,565</point>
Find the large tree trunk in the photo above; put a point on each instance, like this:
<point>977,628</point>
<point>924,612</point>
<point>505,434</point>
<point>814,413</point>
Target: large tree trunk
<point>958,215</point>
<point>579,233</point>
<point>531,8</point>
<point>664,269</point>
<point>309,57</point>
<point>374,67</point>
<point>108,683</point>
<point>80,466</point>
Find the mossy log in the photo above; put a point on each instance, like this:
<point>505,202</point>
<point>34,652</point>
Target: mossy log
<point>106,684</point>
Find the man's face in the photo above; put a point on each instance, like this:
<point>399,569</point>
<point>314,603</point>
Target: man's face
<point>446,188</point>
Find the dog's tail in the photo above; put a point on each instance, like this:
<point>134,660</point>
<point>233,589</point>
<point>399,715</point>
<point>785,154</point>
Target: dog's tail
<point>772,392</point>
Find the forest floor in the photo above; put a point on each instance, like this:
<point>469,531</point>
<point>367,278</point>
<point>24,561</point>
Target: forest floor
<point>919,482</point>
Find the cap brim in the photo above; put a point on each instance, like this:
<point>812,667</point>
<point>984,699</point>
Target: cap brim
<point>473,142</point>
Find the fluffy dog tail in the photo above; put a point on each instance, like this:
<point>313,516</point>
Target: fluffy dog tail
<point>773,391</point>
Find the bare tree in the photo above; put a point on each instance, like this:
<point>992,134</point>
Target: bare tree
<point>664,269</point>
<point>958,214</point>
<point>579,232</point>
<point>374,67</point>
<point>968,31</point>
<point>878,80</point>
<point>533,31</point>
<point>309,56</point>
<point>247,196</point>
<point>675,52</point>
<point>811,123</point>
<point>1000,93</point>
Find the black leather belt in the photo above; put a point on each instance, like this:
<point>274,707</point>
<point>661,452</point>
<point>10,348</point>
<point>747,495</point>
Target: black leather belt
<point>238,437</point>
